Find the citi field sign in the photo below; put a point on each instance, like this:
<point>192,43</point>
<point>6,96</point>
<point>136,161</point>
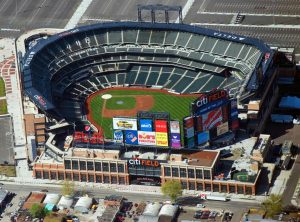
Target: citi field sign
<point>209,101</point>
<point>139,162</point>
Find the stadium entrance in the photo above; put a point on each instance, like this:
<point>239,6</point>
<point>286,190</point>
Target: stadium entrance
<point>145,180</point>
<point>144,171</point>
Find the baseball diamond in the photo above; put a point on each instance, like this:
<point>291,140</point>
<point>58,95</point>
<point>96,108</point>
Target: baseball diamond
<point>101,111</point>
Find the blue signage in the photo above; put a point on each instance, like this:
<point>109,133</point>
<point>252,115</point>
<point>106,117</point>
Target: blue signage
<point>203,137</point>
<point>146,125</point>
<point>131,137</point>
<point>118,136</point>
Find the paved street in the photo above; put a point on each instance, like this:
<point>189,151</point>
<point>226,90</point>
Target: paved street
<point>292,182</point>
<point>236,207</point>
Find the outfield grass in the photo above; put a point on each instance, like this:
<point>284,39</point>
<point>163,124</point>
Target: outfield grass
<point>177,106</point>
<point>2,87</point>
<point>3,106</point>
<point>128,103</point>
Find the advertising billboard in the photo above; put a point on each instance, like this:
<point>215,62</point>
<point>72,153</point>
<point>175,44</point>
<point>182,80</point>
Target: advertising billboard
<point>190,142</point>
<point>209,101</point>
<point>212,119</point>
<point>146,138</point>
<point>175,140</point>
<point>199,127</point>
<point>118,136</point>
<point>190,132</point>
<point>188,122</point>
<point>146,125</point>
<point>131,137</point>
<point>174,127</point>
<point>161,126</point>
<point>235,124</point>
<point>124,123</point>
<point>202,137</point>
<point>225,112</point>
<point>234,109</point>
<point>223,128</point>
<point>162,139</point>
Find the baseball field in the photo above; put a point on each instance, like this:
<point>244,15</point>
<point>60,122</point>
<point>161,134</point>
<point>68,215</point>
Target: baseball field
<point>106,104</point>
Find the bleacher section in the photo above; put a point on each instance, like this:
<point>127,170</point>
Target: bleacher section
<point>75,65</point>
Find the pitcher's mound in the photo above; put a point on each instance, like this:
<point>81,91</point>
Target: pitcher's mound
<point>106,96</point>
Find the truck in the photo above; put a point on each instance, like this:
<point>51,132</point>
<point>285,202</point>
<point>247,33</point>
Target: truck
<point>217,197</point>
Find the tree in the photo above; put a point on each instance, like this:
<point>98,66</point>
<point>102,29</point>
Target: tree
<point>172,189</point>
<point>272,205</point>
<point>68,188</point>
<point>38,211</point>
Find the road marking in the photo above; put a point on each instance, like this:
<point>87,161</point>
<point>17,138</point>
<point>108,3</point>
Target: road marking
<point>186,9</point>
<point>256,26</point>
<point>10,30</point>
<point>78,14</point>
<point>98,20</point>
<point>249,14</point>
<point>201,9</point>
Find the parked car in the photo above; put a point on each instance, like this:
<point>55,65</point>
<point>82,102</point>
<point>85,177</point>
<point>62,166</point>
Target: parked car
<point>212,215</point>
<point>45,190</point>
<point>205,214</point>
<point>200,205</point>
<point>198,214</point>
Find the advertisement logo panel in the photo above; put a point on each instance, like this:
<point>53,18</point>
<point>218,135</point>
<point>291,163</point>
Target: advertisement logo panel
<point>131,137</point>
<point>162,139</point>
<point>146,125</point>
<point>161,126</point>
<point>174,127</point>
<point>235,124</point>
<point>190,132</point>
<point>209,101</point>
<point>188,122</point>
<point>191,142</point>
<point>175,140</point>
<point>146,138</point>
<point>118,136</point>
<point>212,119</point>
<point>203,137</point>
<point>124,123</point>
<point>223,128</point>
<point>199,123</point>
<point>141,162</point>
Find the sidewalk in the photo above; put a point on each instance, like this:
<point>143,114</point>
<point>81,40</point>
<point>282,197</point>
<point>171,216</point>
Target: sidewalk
<point>118,188</point>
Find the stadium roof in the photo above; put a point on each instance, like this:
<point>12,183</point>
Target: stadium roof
<point>64,69</point>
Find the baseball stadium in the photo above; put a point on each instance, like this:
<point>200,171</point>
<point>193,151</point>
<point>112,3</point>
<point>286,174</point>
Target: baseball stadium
<point>141,67</point>
<point>142,100</point>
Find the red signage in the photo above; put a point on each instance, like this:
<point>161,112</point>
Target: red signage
<point>161,126</point>
<point>188,122</point>
<point>138,162</point>
<point>210,97</point>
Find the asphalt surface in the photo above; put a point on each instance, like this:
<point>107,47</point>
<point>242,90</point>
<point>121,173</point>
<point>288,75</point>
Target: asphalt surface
<point>292,183</point>
<point>18,16</point>
<point>284,14</point>
<point>236,207</point>
<point>6,140</point>
<point>116,10</point>
<point>254,6</point>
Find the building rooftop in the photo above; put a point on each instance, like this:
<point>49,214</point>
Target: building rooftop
<point>203,158</point>
<point>34,198</point>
